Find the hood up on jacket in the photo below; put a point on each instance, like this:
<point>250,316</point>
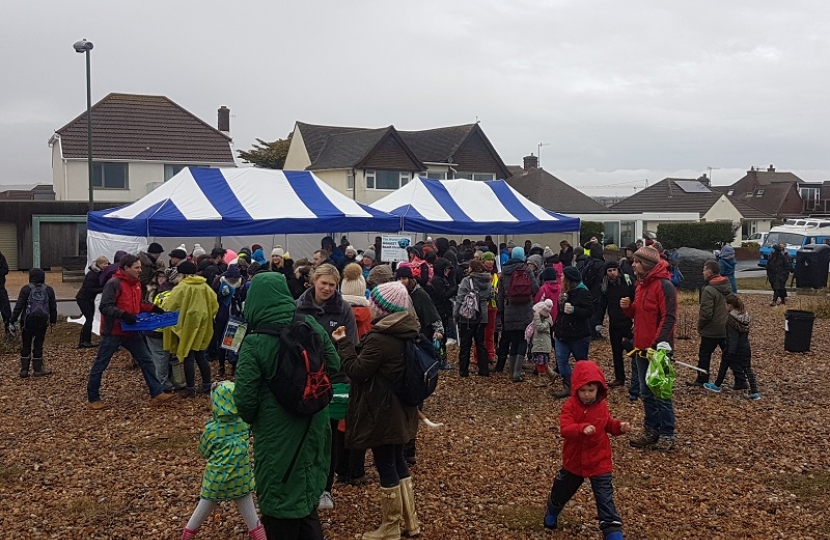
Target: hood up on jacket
<point>739,321</point>
<point>537,261</point>
<point>401,324</point>
<point>587,371</point>
<point>660,271</point>
<point>441,264</point>
<point>269,301</point>
<point>221,398</point>
<point>37,276</point>
<point>596,251</point>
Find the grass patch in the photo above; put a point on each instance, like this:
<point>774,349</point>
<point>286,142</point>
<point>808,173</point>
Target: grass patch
<point>687,298</point>
<point>808,486</point>
<point>522,518</point>
<point>819,306</point>
<point>168,441</point>
<point>759,283</point>
<point>89,510</point>
<point>7,474</point>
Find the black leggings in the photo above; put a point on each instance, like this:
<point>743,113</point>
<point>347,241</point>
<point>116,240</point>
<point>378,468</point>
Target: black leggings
<point>88,311</point>
<point>391,464</point>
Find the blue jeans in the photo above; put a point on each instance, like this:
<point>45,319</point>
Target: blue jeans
<point>137,348</point>
<point>564,350</point>
<point>565,487</point>
<point>659,413</point>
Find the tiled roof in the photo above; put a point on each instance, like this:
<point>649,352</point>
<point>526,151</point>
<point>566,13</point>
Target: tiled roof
<point>342,150</point>
<point>145,128</point>
<point>437,145</point>
<point>776,185</point>
<point>315,136</point>
<point>551,193</point>
<point>668,196</point>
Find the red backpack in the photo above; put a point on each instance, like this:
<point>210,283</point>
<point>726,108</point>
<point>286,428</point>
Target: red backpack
<point>520,289</point>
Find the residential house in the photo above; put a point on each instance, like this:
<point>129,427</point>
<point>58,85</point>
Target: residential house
<point>777,193</point>
<point>548,191</point>
<point>367,164</point>
<point>697,196</point>
<point>138,143</point>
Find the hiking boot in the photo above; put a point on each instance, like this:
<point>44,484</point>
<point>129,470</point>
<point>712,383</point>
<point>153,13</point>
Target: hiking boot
<point>646,440</point>
<point>566,389</point>
<point>615,383</point>
<point>161,398</point>
<point>97,406</point>
<point>664,444</point>
<point>24,367</point>
<point>40,370</point>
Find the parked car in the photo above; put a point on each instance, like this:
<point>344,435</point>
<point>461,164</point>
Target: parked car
<point>759,238</point>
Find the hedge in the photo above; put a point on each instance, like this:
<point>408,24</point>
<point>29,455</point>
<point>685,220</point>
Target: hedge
<point>704,235</point>
<point>587,229</point>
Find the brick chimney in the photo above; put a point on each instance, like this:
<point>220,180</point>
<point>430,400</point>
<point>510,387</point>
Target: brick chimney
<point>224,123</point>
<point>771,168</point>
<point>703,179</point>
<point>531,162</point>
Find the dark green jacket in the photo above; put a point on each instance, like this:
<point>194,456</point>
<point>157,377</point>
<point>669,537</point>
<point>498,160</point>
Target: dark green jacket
<point>375,417</point>
<point>711,320</point>
<point>278,434</point>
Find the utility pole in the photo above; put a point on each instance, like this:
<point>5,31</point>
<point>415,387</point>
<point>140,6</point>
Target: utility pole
<point>539,152</point>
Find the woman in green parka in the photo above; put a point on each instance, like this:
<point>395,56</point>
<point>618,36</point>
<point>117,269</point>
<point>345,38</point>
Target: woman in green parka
<point>228,475</point>
<point>291,453</point>
<point>376,418</point>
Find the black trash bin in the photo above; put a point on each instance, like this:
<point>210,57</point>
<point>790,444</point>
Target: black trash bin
<point>798,330</point>
<point>811,266</point>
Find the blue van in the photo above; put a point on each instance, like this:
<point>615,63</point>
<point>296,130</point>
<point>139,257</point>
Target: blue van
<point>795,234</point>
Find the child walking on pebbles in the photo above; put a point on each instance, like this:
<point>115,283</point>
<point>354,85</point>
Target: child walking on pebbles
<point>541,341</point>
<point>585,423</point>
<point>738,354</point>
<point>228,473</point>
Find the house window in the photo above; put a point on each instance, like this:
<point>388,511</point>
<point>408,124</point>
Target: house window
<point>730,192</point>
<point>475,176</point>
<point>110,176</point>
<point>387,179</point>
<point>436,175</point>
<point>172,170</point>
<point>350,180</point>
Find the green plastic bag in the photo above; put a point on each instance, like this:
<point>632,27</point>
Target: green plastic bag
<point>660,374</point>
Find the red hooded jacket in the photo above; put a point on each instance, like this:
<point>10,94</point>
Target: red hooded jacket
<point>122,294</point>
<point>587,455</point>
<point>654,308</point>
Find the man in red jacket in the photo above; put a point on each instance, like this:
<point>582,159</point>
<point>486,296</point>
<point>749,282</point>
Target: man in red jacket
<point>585,423</point>
<point>654,311</point>
<point>121,301</point>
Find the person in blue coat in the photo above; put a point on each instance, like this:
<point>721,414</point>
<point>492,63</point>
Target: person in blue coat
<point>727,264</point>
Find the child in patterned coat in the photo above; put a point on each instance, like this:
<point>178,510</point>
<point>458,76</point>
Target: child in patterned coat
<point>228,473</point>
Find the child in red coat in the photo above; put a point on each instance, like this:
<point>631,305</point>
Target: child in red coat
<point>585,423</point>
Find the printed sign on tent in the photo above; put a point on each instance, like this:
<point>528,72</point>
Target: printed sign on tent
<point>393,248</point>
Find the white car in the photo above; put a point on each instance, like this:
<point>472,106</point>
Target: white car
<point>759,238</point>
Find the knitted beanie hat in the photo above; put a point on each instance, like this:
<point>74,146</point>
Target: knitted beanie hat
<point>543,308</point>
<point>518,253</point>
<point>548,252</point>
<point>370,254</point>
<point>572,274</point>
<point>549,274</point>
<point>353,283</point>
<point>198,251</point>
<point>187,268</point>
<point>488,256</point>
<point>389,298</point>
<point>381,273</point>
<point>278,251</point>
<point>351,249</point>
<point>648,257</point>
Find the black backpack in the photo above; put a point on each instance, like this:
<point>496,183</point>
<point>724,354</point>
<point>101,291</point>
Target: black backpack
<point>37,306</point>
<point>421,373</point>
<point>300,383</point>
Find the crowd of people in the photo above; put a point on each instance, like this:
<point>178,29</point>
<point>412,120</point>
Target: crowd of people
<point>502,305</point>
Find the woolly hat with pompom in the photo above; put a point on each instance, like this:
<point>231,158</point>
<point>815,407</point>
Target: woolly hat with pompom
<point>379,274</point>
<point>353,283</point>
<point>543,308</point>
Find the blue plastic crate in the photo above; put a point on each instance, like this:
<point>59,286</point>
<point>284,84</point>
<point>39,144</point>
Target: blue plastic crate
<point>152,321</point>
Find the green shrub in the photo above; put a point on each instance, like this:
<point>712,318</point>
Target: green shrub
<point>754,246</point>
<point>587,229</point>
<point>706,235</point>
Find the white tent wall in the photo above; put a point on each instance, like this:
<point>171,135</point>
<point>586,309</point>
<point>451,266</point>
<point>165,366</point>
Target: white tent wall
<point>298,245</point>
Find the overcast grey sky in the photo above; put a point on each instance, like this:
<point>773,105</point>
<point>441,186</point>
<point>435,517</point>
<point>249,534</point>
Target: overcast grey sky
<point>622,91</point>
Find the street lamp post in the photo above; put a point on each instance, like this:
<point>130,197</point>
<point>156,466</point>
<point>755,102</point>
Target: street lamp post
<point>82,47</point>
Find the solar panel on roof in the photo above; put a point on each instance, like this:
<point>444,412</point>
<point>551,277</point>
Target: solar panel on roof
<point>692,186</point>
